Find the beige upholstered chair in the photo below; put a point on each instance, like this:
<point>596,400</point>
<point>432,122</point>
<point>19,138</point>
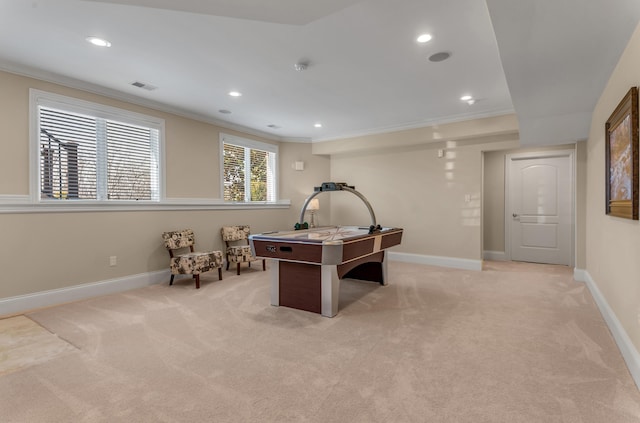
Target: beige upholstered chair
<point>236,238</point>
<point>190,263</point>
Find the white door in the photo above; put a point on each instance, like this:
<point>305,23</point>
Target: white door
<point>539,207</point>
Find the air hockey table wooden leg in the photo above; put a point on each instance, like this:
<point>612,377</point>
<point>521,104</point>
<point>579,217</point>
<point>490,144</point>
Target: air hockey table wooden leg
<point>329,288</point>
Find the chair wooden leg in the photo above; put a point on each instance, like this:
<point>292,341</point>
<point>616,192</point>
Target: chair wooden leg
<point>220,273</point>
<point>171,281</point>
<point>249,264</point>
<point>227,264</point>
<point>264,265</point>
<point>197,278</point>
<point>238,268</point>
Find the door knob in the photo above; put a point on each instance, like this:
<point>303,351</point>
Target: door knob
<point>515,215</point>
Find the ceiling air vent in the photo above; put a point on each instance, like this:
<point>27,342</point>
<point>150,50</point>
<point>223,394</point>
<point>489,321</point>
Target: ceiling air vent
<point>144,86</point>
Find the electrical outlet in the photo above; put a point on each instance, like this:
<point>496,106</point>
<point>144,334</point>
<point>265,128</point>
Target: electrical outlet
<point>113,261</point>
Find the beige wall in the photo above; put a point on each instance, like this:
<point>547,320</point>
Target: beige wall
<point>58,250</point>
<point>409,186</point>
<point>14,134</point>
<point>415,190</point>
<point>581,205</point>
<point>66,249</point>
<point>493,207</point>
<point>468,130</point>
<point>298,185</point>
<point>400,173</point>
<point>613,244</point>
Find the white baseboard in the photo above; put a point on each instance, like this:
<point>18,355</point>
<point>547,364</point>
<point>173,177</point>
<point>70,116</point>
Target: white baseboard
<point>628,350</point>
<point>453,262</point>
<point>495,255</point>
<point>23,303</point>
<point>580,274</point>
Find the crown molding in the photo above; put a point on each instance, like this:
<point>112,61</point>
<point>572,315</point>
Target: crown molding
<point>416,125</point>
<point>68,82</point>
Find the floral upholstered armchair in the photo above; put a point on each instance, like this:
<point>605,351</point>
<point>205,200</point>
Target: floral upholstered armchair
<point>190,263</point>
<point>236,239</point>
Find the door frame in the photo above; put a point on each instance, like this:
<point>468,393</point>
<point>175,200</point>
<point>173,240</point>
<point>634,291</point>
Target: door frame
<point>543,154</point>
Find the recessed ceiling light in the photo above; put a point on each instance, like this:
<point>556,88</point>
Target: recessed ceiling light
<point>100,42</point>
<point>235,94</point>
<point>471,102</point>
<point>424,38</point>
<point>466,98</point>
<point>318,125</point>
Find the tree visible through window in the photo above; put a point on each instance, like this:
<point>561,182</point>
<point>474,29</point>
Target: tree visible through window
<point>259,172</point>
<point>248,171</point>
<point>234,167</point>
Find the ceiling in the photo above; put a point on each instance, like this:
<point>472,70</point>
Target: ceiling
<point>547,61</point>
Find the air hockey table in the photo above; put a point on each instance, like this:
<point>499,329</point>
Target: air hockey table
<point>307,265</point>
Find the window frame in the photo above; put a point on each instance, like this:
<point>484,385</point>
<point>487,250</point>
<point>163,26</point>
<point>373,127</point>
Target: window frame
<point>19,203</point>
<point>251,144</point>
<point>38,98</point>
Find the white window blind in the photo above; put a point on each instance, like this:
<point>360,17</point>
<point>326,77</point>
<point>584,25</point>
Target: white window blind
<point>234,173</point>
<point>132,168</point>
<point>67,156</point>
<point>87,157</point>
<point>249,170</point>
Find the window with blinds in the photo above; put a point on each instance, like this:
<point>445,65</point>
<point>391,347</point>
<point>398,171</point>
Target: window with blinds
<point>86,157</point>
<point>249,170</point>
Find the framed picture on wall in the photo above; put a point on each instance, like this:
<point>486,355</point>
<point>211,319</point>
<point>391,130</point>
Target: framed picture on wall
<point>621,158</point>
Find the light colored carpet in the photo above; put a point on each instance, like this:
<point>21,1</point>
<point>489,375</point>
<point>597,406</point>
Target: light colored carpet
<point>513,343</point>
<point>24,343</point>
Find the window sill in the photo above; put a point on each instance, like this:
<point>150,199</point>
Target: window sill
<point>23,204</point>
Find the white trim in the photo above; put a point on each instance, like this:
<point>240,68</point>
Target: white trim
<point>66,81</point>
<point>627,349</point>
<point>84,107</point>
<point>22,205</point>
<point>507,200</point>
<point>580,275</point>
<point>453,262</point>
<point>416,124</point>
<point>246,142</point>
<point>251,144</point>
<point>495,255</point>
<point>24,303</point>
<point>14,199</point>
<point>133,99</point>
<point>39,98</point>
